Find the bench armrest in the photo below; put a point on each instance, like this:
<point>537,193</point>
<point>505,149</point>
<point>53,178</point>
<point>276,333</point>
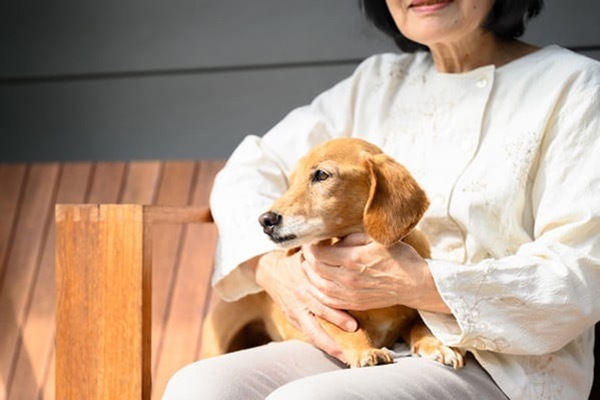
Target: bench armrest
<point>103,277</point>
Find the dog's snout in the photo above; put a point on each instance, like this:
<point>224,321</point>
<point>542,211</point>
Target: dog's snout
<point>269,221</point>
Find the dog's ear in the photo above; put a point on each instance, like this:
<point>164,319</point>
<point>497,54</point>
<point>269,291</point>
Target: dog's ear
<point>396,202</point>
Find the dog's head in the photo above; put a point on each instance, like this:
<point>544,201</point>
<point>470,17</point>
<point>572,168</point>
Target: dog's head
<point>345,186</point>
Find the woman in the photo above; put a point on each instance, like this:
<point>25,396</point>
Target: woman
<point>503,136</point>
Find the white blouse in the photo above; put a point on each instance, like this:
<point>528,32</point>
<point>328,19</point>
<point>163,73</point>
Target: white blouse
<point>510,159</point>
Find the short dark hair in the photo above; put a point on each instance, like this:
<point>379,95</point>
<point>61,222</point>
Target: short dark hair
<point>506,19</point>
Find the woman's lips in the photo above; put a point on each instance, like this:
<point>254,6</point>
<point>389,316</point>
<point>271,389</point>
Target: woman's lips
<point>428,5</point>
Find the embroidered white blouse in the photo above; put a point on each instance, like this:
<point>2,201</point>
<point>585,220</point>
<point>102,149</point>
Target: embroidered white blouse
<point>510,158</point>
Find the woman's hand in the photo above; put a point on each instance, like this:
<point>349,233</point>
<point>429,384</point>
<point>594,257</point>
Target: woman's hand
<point>360,274</point>
<point>284,279</point>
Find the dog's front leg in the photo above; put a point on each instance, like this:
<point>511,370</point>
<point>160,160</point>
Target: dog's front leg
<point>357,346</point>
<point>422,343</point>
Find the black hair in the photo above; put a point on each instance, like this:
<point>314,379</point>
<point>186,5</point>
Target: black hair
<point>506,20</point>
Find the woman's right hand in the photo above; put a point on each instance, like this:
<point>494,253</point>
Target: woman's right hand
<point>284,279</point>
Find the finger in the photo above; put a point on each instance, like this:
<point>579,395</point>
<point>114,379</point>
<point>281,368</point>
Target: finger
<point>307,253</point>
<point>326,278</point>
<point>336,255</point>
<point>354,239</point>
<point>327,258</point>
<point>337,304</point>
<point>334,287</point>
<point>337,317</point>
<point>315,334</point>
<point>329,304</point>
<point>320,273</point>
<point>334,278</point>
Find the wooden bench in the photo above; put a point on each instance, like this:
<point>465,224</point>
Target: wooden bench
<point>181,269</point>
<point>127,318</point>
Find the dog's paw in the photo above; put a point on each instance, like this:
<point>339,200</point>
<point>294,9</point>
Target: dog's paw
<point>371,358</point>
<point>436,351</point>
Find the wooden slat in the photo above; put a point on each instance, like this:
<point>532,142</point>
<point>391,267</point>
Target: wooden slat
<point>206,175</point>
<point>141,182</point>
<point>36,352</point>
<point>11,180</point>
<point>22,264</point>
<point>49,389</point>
<point>141,187</point>
<point>178,215</point>
<point>183,327</point>
<point>212,297</point>
<point>105,186</point>
<point>107,181</point>
<point>191,289</point>
<point>103,303</point>
<point>175,189</point>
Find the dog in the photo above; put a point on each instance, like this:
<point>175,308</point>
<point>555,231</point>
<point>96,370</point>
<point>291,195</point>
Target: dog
<point>340,187</point>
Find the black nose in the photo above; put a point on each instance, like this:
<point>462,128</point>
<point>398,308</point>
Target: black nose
<point>269,221</point>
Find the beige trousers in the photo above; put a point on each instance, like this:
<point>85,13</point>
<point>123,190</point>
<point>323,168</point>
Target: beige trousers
<point>296,370</point>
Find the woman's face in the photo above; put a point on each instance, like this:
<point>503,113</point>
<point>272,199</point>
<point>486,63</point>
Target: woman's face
<point>432,22</point>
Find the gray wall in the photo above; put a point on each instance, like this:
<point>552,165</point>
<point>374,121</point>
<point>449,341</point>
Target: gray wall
<point>187,79</point>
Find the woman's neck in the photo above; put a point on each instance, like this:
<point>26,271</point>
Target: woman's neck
<point>468,55</point>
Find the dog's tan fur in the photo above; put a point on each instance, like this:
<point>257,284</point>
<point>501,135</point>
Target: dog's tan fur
<point>341,187</point>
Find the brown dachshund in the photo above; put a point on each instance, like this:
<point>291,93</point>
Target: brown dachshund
<point>340,187</point>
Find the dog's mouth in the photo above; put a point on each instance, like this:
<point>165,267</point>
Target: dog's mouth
<point>281,239</point>
<point>295,240</point>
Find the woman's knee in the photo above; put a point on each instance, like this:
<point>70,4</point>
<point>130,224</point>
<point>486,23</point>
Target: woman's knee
<point>248,374</point>
<point>303,389</point>
<point>206,379</point>
<point>190,382</point>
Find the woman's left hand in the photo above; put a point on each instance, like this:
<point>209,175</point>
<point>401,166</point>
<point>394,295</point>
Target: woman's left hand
<point>358,273</point>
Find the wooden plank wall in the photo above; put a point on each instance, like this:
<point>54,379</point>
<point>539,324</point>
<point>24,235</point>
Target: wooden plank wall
<point>182,262</point>
<point>187,79</point>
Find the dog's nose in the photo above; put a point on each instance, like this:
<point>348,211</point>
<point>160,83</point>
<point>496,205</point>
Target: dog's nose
<point>269,221</point>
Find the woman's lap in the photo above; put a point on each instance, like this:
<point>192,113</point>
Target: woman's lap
<point>249,374</point>
<point>294,369</point>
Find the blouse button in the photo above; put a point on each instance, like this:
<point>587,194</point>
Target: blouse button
<point>481,83</point>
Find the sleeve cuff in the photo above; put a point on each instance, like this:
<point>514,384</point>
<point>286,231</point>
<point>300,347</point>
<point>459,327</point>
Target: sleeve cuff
<point>444,326</point>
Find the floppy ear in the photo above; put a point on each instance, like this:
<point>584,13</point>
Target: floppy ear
<point>396,202</point>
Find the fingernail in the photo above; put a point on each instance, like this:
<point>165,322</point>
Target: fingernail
<point>351,326</point>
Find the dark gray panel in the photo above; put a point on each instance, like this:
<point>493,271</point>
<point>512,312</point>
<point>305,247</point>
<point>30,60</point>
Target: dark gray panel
<point>170,117</point>
<point>592,53</point>
<point>82,37</point>
<point>74,36</point>
<point>571,23</point>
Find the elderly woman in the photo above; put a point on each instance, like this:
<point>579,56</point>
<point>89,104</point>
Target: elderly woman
<point>504,137</point>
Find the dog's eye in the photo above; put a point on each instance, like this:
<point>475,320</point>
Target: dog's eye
<point>319,175</point>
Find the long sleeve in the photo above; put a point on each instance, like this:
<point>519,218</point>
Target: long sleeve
<point>548,292</point>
